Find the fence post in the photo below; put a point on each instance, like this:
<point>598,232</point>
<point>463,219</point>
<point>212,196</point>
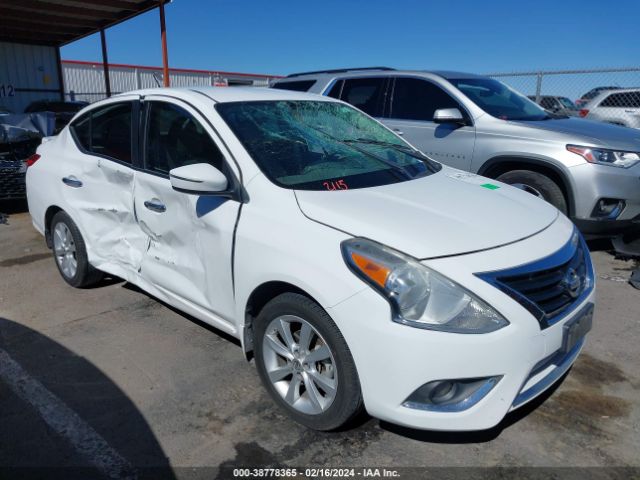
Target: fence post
<point>538,87</point>
<point>138,81</point>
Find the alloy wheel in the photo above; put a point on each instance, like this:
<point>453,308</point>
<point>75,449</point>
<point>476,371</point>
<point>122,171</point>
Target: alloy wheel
<point>65,250</point>
<point>300,364</point>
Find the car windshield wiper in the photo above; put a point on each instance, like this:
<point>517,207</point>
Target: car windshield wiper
<point>556,116</point>
<point>396,167</point>
<point>412,152</point>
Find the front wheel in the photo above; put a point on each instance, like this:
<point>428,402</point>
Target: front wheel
<point>305,364</point>
<point>536,184</point>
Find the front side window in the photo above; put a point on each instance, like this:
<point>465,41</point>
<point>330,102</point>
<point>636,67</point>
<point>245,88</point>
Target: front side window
<point>416,99</point>
<point>318,145</point>
<point>175,139</point>
<point>106,131</point>
<point>367,94</point>
<point>567,103</point>
<point>336,90</point>
<point>498,100</point>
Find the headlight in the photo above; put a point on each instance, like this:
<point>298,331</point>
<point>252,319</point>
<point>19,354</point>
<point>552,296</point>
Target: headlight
<point>419,296</point>
<point>606,157</point>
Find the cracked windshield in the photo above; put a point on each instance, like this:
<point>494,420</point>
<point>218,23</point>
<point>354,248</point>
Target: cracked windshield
<point>310,145</point>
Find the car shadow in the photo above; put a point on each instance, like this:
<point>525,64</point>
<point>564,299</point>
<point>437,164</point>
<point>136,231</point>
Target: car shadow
<point>8,207</point>
<point>62,417</point>
<point>106,281</point>
<point>600,245</point>
<point>191,318</point>
<point>481,436</point>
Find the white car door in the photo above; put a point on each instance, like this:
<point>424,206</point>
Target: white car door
<point>97,180</point>
<point>189,257</point>
<point>412,105</point>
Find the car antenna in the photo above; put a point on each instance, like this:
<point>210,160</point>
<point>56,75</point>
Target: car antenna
<point>157,80</point>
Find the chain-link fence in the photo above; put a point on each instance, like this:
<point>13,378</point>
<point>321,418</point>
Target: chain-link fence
<point>610,95</point>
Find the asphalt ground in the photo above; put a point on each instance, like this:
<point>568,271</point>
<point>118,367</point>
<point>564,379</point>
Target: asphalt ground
<point>109,382</point>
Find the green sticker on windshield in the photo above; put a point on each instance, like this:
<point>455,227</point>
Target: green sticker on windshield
<point>490,186</point>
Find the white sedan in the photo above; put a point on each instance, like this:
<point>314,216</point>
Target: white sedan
<point>357,272</point>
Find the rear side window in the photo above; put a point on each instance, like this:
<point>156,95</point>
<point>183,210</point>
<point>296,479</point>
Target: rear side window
<point>297,86</point>
<point>367,94</point>
<point>106,131</point>
<point>111,131</point>
<point>81,129</point>
<point>622,100</point>
<point>416,99</point>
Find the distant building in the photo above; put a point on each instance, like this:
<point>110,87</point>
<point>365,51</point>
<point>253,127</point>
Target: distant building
<point>85,80</point>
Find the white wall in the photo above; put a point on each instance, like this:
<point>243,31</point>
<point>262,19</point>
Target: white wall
<point>86,80</point>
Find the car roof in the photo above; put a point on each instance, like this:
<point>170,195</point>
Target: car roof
<point>229,94</point>
<point>621,90</point>
<point>374,71</point>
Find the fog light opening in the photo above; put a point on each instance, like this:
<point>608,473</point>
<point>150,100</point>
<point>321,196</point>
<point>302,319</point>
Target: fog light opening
<point>608,208</point>
<point>451,395</point>
<point>443,392</point>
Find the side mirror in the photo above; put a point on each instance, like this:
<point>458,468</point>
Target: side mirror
<point>448,115</point>
<point>198,179</point>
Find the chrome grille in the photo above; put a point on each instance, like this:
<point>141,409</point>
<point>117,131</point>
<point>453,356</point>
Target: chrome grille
<point>549,288</point>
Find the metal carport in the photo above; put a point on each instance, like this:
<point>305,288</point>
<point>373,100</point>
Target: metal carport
<point>32,32</point>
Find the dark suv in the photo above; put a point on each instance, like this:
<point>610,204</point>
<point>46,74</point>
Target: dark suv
<point>64,111</point>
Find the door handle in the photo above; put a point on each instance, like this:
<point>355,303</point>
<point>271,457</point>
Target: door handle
<point>72,181</point>
<point>398,131</point>
<point>155,206</point>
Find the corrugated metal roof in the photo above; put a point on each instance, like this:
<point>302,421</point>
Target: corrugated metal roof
<point>58,22</point>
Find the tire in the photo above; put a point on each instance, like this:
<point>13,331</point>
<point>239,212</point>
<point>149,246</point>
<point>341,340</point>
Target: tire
<point>337,368</point>
<point>70,253</point>
<point>537,184</point>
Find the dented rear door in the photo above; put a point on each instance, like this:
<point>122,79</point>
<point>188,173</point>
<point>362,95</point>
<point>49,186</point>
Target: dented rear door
<point>97,180</point>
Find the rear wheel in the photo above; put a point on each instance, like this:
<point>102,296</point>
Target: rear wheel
<point>70,253</point>
<point>537,184</point>
<point>305,363</point>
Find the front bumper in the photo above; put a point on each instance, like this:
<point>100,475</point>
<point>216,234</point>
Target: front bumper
<point>594,182</point>
<point>394,360</point>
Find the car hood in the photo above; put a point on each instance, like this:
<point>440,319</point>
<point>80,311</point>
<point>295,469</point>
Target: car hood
<point>599,133</point>
<point>447,213</point>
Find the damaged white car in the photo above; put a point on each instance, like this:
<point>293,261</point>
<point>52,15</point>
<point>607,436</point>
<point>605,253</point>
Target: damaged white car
<point>356,271</point>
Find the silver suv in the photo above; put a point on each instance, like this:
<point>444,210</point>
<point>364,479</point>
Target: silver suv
<point>620,107</point>
<point>588,170</point>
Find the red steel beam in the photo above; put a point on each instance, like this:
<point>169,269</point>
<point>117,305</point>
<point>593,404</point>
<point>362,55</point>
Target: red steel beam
<point>165,55</point>
<point>105,63</point>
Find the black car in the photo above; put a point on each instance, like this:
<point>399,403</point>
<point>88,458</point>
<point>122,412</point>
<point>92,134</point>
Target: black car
<point>20,136</point>
<point>64,111</point>
<point>557,104</point>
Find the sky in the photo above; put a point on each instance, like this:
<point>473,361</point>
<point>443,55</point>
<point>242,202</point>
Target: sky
<point>285,36</point>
